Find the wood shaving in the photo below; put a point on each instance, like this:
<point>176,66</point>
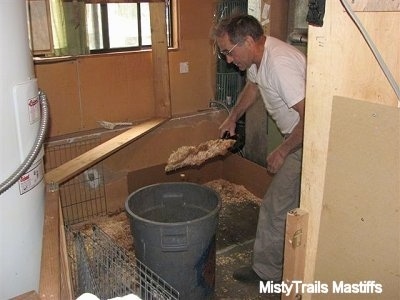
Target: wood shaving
<point>197,155</point>
<point>232,193</point>
<point>115,225</point>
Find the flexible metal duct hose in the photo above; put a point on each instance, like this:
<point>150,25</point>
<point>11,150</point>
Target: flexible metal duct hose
<point>37,146</point>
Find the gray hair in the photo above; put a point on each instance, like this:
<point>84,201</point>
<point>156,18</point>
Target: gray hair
<point>238,27</point>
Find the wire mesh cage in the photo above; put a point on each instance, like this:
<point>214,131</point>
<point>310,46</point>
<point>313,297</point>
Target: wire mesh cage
<point>83,196</point>
<point>100,267</point>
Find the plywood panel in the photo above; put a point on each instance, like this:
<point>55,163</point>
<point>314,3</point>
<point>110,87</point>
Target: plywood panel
<point>224,167</point>
<point>116,88</point>
<point>359,236</point>
<point>246,167</point>
<point>340,63</point>
<point>192,14</point>
<point>357,73</point>
<point>192,91</point>
<point>60,83</point>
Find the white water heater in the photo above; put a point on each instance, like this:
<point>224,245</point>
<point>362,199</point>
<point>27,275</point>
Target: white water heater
<point>22,204</point>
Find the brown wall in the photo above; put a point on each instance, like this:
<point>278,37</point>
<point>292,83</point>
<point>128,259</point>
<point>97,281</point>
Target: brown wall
<point>119,87</point>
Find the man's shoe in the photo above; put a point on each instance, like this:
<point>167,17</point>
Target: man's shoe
<point>247,275</point>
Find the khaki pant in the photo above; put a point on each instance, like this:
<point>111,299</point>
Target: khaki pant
<point>282,196</point>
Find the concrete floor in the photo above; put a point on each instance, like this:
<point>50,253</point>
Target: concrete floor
<point>228,288</point>
<point>235,238</point>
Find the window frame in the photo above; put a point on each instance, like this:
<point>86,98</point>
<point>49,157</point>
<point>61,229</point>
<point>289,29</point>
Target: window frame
<point>37,11</point>
<point>106,38</point>
<point>171,22</point>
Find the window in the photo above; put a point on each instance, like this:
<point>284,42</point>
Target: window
<point>118,26</point>
<point>91,26</point>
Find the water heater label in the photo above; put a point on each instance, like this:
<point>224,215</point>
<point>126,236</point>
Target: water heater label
<point>34,110</point>
<point>27,115</point>
<point>32,178</point>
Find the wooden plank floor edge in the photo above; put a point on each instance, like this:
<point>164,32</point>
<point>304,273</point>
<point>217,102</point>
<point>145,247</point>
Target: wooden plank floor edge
<point>91,157</point>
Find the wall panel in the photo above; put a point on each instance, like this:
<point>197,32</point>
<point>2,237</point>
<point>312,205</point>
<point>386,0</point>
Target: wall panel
<point>340,63</point>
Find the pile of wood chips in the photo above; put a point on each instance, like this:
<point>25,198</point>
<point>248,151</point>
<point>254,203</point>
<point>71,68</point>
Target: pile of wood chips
<point>232,193</point>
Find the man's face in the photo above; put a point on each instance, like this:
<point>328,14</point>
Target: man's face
<point>237,54</point>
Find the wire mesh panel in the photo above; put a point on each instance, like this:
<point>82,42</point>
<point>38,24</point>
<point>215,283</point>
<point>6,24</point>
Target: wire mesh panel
<point>101,267</point>
<point>229,86</point>
<point>230,80</point>
<point>227,7</point>
<point>83,196</point>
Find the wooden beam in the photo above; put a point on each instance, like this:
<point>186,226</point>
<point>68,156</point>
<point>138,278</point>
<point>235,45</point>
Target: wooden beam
<point>91,157</point>
<point>50,272</point>
<point>161,76</point>
<point>295,249</point>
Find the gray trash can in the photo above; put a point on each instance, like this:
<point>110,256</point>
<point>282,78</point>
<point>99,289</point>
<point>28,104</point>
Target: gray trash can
<point>174,227</point>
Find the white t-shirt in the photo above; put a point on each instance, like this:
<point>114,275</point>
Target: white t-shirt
<point>281,80</point>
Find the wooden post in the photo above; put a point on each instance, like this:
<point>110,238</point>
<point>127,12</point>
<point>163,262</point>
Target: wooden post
<point>55,277</point>
<point>159,43</point>
<point>50,266</point>
<point>295,249</point>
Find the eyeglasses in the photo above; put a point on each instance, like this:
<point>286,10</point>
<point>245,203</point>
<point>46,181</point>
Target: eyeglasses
<point>224,53</point>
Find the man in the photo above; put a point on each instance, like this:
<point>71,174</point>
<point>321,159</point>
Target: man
<point>277,71</point>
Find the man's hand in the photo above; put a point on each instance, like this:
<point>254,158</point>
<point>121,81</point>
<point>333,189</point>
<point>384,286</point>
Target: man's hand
<point>275,161</point>
<point>227,126</point>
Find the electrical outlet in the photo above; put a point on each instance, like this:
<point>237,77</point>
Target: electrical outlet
<point>184,67</point>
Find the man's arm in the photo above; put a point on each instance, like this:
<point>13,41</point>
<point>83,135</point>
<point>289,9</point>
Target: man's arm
<point>246,98</point>
<point>277,157</point>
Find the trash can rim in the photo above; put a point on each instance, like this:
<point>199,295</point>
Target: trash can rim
<point>206,216</point>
